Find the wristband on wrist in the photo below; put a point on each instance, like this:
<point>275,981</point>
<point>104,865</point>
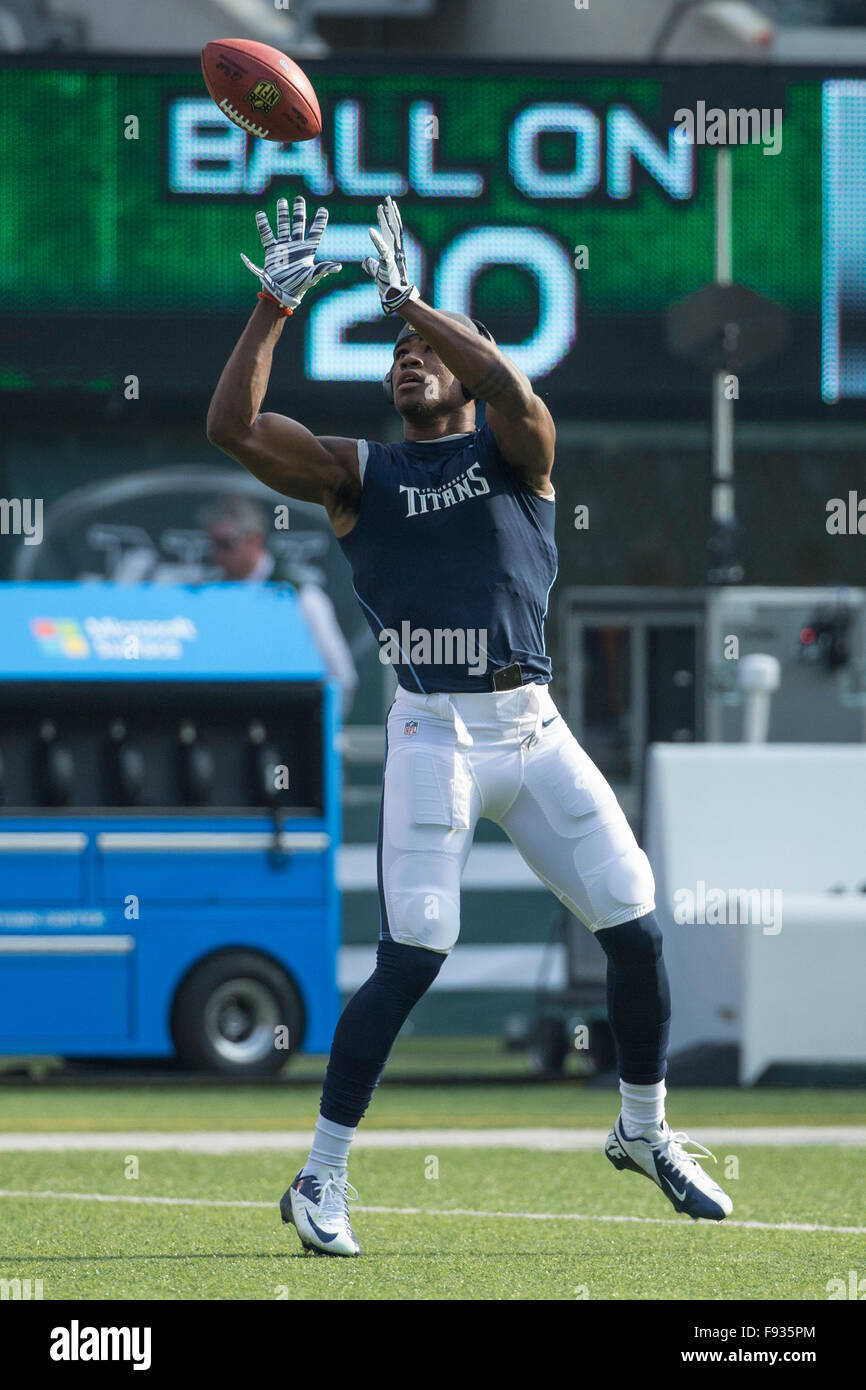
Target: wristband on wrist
<point>263,294</point>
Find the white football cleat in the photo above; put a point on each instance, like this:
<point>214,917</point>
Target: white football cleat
<point>657,1153</point>
<point>319,1211</point>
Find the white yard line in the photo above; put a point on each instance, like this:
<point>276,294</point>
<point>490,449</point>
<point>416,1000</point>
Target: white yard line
<point>540,1138</point>
<point>422,1211</point>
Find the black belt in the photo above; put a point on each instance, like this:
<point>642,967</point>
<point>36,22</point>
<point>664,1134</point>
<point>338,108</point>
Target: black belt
<point>507,677</point>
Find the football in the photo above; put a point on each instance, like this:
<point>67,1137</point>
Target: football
<point>261,90</point>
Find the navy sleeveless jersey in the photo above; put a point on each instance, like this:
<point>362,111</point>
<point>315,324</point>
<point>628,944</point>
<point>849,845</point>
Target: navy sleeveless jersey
<point>453,560</point>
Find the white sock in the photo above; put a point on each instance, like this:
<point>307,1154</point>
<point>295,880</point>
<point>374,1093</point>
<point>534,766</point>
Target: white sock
<point>330,1151</point>
<point>642,1106</point>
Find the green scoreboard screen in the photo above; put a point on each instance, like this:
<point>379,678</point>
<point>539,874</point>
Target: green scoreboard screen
<point>562,206</point>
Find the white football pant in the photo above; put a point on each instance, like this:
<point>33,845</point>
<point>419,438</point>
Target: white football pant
<point>509,756</point>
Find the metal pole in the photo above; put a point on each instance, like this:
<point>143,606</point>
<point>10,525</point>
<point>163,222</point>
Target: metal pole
<point>723,406</point>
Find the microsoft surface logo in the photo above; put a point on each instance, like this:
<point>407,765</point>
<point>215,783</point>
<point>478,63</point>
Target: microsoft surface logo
<point>60,637</point>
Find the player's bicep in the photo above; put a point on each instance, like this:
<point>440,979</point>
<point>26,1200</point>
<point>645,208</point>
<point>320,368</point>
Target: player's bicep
<point>286,456</point>
<point>526,439</point>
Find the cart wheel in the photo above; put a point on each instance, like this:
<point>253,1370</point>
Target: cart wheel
<point>602,1048</point>
<point>548,1046</point>
<point>227,1014</point>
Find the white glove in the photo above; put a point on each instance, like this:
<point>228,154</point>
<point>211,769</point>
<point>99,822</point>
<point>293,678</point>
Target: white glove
<point>389,271</point>
<point>290,267</point>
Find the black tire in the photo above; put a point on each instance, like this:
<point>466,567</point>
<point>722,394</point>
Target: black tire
<point>226,1013</point>
<point>548,1046</point>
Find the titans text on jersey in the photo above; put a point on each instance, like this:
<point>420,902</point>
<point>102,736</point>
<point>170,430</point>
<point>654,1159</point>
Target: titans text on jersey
<point>468,484</point>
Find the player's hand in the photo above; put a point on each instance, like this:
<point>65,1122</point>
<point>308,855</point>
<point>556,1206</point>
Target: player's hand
<point>389,270</point>
<point>290,266</point>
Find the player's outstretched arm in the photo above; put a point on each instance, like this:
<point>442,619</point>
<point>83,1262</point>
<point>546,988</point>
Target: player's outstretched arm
<point>520,421</point>
<point>280,452</point>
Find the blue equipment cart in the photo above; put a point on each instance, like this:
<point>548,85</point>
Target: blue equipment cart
<point>169,785</point>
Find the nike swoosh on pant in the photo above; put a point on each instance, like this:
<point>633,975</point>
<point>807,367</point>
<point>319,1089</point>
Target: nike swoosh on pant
<point>545,722</point>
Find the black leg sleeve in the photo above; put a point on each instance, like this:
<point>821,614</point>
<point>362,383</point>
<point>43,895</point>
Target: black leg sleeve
<point>369,1025</point>
<point>638,998</point>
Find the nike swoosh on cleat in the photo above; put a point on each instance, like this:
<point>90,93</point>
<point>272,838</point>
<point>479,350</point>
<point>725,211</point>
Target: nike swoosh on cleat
<point>326,1236</point>
<point>681,1196</point>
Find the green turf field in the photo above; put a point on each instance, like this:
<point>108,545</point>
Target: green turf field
<point>103,1250</point>
<point>435,1222</point>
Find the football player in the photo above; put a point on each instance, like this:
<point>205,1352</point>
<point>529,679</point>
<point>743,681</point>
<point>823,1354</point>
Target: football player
<point>450,537</point>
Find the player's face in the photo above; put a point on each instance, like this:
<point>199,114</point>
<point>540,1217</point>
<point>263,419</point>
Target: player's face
<point>423,386</point>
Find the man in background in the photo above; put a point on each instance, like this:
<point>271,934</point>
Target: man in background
<point>236,528</point>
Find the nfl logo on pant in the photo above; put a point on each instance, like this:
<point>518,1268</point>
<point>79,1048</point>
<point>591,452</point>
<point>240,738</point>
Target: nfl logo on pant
<point>411,726</point>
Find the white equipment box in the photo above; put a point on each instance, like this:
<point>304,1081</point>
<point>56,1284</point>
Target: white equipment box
<point>759,853</point>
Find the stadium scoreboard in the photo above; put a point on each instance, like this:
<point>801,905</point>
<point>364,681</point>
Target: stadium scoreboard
<point>562,206</point>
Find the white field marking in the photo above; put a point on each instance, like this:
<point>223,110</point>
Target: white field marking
<point>546,1139</point>
<point>456,1211</point>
